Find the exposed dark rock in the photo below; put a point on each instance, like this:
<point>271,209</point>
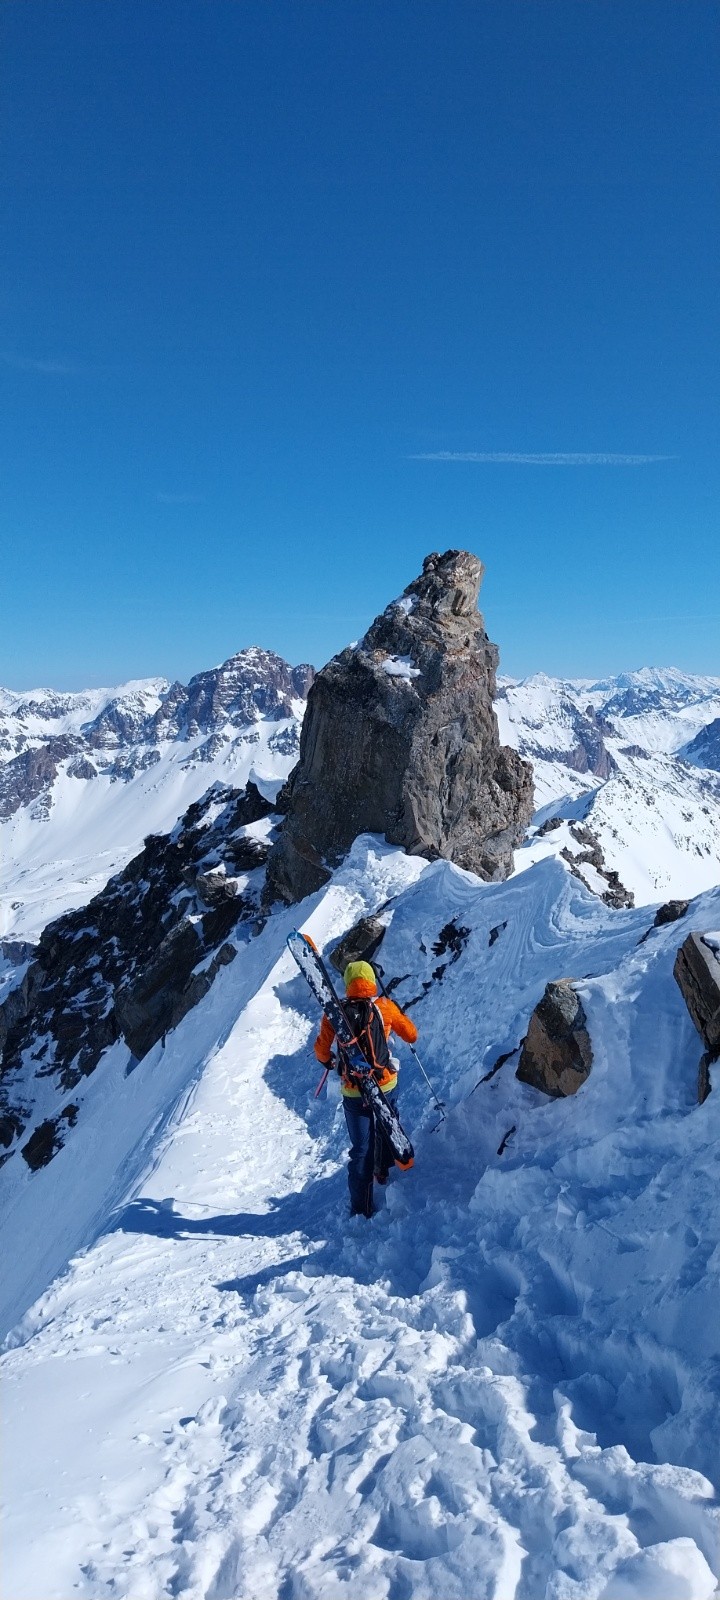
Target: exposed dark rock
<point>82,768</point>
<point>589,753</point>
<point>132,962</point>
<point>616,895</point>
<point>215,887</point>
<point>43,1144</point>
<point>704,749</point>
<point>129,763</point>
<point>557,1054</point>
<point>704,1084</point>
<point>670,912</point>
<point>549,826</point>
<point>166,989</point>
<point>28,778</point>
<point>697,971</point>
<point>635,750</point>
<point>253,683</point>
<point>495,933</point>
<point>400,738</point>
<point>11,1126</point>
<point>18,951</point>
<point>15,1006</point>
<point>360,944</point>
<point>452,938</point>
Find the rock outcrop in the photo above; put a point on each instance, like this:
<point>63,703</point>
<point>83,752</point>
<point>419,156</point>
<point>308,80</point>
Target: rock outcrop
<point>360,944</point>
<point>400,738</point>
<point>131,963</point>
<point>556,1055</point>
<point>697,972</point>
<point>591,855</point>
<point>671,911</point>
<point>704,749</point>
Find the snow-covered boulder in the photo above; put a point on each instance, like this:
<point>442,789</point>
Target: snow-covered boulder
<point>557,1054</point>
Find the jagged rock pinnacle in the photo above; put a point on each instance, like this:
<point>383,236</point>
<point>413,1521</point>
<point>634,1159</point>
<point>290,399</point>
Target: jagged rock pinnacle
<point>400,738</point>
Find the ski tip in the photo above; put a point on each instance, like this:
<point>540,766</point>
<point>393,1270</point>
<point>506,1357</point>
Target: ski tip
<point>296,934</point>
<point>405,1165</point>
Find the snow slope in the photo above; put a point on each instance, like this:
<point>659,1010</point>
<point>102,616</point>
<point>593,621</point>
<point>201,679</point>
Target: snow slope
<point>611,756</point>
<point>49,865</point>
<point>505,1385</point>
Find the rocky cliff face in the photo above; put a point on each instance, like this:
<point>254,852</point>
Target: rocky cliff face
<point>129,965</point>
<point>697,972</point>
<point>123,734</point>
<point>704,749</point>
<point>400,738</point>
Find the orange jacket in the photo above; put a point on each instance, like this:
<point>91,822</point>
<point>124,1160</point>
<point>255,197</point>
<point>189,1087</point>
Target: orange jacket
<point>393,1021</point>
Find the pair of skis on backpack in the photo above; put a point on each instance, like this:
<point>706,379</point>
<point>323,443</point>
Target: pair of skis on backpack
<point>385,1115</point>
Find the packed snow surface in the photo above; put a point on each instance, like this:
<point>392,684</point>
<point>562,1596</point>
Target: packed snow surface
<point>504,1385</point>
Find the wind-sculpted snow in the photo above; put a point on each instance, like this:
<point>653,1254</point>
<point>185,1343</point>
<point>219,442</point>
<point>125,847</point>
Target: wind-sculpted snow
<point>504,1387</point>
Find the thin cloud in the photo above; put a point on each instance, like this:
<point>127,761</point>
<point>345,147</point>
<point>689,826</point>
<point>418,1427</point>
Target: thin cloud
<point>178,499</point>
<point>46,368</point>
<point>554,458</point>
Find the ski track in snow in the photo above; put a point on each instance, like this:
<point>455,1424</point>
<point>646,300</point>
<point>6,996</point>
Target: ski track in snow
<point>504,1386</point>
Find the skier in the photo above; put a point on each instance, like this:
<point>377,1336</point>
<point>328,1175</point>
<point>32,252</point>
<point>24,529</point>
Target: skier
<point>373,1020</point>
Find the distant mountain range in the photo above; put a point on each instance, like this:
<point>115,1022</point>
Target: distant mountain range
<point>84,777</point>
<point>632,767</point>
<point>634,759</point>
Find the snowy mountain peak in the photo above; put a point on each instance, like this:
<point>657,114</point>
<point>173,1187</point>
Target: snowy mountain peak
<point>630,768</point>
<point>83,777</point>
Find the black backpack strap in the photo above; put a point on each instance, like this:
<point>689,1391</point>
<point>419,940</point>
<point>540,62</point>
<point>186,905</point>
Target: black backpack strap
<point>368,1032</point>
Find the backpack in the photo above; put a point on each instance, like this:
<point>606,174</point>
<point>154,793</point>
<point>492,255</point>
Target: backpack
<point>367,1025</point>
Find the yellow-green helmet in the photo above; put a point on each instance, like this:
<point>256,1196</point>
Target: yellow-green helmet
<point>359,970</point>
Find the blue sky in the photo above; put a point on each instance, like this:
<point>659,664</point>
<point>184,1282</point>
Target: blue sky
<point>263,258</point>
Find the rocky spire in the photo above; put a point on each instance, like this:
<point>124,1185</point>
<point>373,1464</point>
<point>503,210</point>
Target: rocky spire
<point>400,738</point>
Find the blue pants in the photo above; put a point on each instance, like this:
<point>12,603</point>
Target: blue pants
<point>364,1160</point>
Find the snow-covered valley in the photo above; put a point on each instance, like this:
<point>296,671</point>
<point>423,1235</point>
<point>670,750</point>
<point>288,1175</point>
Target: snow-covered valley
<point>505,1386</point>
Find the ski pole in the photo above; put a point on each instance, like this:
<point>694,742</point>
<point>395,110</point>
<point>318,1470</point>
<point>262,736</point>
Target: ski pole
<point>438,1103</point>
<point>322,1083</point>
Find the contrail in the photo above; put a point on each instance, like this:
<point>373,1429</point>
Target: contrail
<point>555,458</point>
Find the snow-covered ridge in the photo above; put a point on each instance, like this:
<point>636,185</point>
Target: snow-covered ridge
<point>508,1378</point>
<point>84,777</point>
<point>633,759</point>
<point>660,709</point>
